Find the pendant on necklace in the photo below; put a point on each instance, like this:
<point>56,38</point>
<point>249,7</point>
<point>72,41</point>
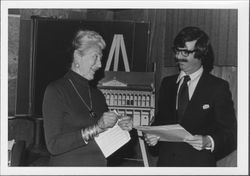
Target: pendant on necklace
<point>92,114</point>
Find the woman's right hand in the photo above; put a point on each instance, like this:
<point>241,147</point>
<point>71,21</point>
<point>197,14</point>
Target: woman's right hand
<point>108,120</point>
<point>151,139</point>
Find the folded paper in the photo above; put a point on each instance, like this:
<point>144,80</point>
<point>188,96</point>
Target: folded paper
<point>171,133</point>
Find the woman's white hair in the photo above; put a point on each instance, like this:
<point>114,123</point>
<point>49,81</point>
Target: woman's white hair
<point>85,39</point>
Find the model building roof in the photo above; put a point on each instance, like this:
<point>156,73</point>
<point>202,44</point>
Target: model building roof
<point>127,80</point>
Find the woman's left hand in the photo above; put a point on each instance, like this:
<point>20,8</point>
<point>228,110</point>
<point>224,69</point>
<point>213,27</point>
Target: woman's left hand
<point>126,123</point>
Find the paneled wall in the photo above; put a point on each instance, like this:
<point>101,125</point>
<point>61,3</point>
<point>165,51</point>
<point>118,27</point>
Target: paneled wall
<point>13,43</point>
<point>82,14</point>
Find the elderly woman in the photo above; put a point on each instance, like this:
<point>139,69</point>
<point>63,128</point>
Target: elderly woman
<point>75,112</point>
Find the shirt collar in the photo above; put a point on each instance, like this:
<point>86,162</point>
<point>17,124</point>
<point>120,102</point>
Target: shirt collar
<point>192,76</point>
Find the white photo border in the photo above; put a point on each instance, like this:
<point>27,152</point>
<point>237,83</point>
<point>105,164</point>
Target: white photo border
<point>243,89</point>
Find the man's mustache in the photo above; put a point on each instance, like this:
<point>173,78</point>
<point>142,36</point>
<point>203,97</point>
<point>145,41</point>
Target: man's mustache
<point>181,60</point>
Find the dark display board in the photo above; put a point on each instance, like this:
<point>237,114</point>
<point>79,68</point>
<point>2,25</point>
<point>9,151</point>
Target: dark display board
<point>44,55</point>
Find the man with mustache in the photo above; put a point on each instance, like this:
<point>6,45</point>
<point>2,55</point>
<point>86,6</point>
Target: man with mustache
<point>198,101</point>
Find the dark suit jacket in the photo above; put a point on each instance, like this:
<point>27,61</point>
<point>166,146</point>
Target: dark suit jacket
<point>209,112</point>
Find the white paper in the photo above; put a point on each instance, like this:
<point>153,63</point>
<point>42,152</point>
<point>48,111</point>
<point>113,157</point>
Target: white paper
<point>171,133</point>
<point>112,139</point>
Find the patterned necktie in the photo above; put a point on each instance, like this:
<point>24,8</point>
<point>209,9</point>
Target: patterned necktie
<point>183,97</point>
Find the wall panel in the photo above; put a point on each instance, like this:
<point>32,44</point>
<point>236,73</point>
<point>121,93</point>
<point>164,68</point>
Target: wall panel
<point>13,47</point>
<point>229,74</point>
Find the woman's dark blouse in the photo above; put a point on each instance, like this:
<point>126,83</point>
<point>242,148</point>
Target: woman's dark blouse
<point>65,115</point>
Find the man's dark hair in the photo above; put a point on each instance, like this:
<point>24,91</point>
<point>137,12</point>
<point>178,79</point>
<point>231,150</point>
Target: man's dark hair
<point>203,47</point>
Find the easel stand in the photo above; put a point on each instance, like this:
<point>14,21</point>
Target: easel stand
<point>118,42</point>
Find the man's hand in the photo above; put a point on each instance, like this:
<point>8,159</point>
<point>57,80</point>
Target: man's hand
<point>199,142</point>
<point>151,139</point>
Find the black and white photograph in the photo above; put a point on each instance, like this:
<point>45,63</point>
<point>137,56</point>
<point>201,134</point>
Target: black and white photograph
<point>125,87</point>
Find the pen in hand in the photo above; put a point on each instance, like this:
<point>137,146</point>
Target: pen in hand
<point>125,122</point>
<point>118,115</point>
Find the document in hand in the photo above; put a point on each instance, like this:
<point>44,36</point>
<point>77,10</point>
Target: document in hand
<point>112,139</point>
<point>171,133</point>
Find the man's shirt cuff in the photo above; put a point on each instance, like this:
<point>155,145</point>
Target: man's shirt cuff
<point>212,144</point>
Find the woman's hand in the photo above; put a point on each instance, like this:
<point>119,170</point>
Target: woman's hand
<point>126,123</point>
<point>108,120</point>
<point>151,139</point>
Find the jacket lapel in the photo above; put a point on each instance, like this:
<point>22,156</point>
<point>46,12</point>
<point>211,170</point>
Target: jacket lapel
<point>174,97</point>
<point>201,86</point>
<point>197,95</point>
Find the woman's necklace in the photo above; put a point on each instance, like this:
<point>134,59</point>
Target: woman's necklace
<point>91,112</point>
